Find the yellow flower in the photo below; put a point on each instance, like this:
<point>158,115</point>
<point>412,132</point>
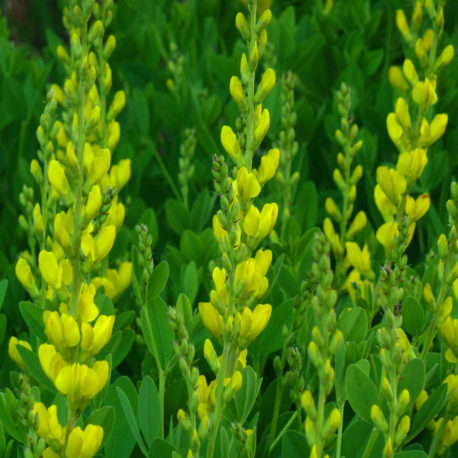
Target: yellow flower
<point>94,338</point>
<point>416,209</point>
<point>93,203</point>
<point>49,427</point>
<point>120,174</point>
<point>119,101</point>
<point>262,124</point>
<point>385,206</point>
<point>14,353</point>
<point>114,133</point>
<point>87,310</point>
<point>432,133</point>
<point>57,177</point>
<point>266,85</point>
<point>230,143</point>
<point>116,281</point>
<point>392,183</point>
<point>63,229</point>
<point>409,71</point>
<point>98,249</point>
<point>424,94</point>
<point>452,388</point>
<point>395,130</point>
<point>397,79</point>
<point>100,165</point>
<point>116,214</point>
<point>412,163</point>
<point>359,259</point>
<point>247,185</point>
<point>402,114</point>
<point>259,225</point>
<point>55,274</point>
<point>449,331</point>
<point>333,238</point>
<point>51,361</point>
<point>62,330</point>
<point>252,323</point>
<point>269,165</point>
<point>80,383</point>
<point>237,91</point>
<point>84,444</point>
<point>25,276</point>
<point>357,224</point>
<point>402,25</point>
<point>211,318</point>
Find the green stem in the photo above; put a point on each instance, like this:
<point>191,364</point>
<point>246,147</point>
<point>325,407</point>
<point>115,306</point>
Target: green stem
<point>436,441</point>
<point>282,432</point>
<point>340,430</point>
<point>370,443</point>
<point>76,242</point>
<point>278,397</point>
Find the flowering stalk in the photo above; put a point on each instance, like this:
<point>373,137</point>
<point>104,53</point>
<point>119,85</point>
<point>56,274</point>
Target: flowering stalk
<point>346,251</point>
<point>81,216</point>
<point>234,314</point>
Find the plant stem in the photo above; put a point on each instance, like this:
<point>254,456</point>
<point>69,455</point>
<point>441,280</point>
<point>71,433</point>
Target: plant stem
<point>370,443</point>
<point>282,432</point>
<point>340,430</point>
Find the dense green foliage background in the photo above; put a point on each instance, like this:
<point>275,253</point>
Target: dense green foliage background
<point>356,44</point>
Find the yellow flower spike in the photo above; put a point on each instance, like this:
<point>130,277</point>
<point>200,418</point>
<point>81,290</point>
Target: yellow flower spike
<point>427,40</point>
<point>80,383</point>
<point>87,310</point>
<point>100,165</point>
<point>48,424</point>
<point>262,127</point>
<point>417,15</point>
<point>94,338</point>
<point>357,225</point>
<point>25,276</point>
<point>359,259</point>
<point>93,204</point>
<point>401,110</point>
<point>247,185</point>
<point>116,214</point>
<point>237,91</point>
<point>332,209</point>
<point>397,79</point>
<point>267,220</point>
<point>424,94</point>
<point>63,229</point>
<point>14,353</point>
<point>120,173</point>
<point>269,165</point>
<point>416,209</point>
<point>452,388</point>
<point>88,156</point>
<point>263,260</point>
<point>211,319</point>
<point>230,144</point>
<point>98,249</point>
<point>412,163</point>
<point>392,183</point>
<point>236,382</point>
<point>254,56</point>
<point>84,444</point>
<point>57,177</point>
<point>333,421</point>
<point>386,233</point>
<point>428,294</point>
<point>266,85</point>
<point>308,404</point>
<point>51,361</point>
<point>446,57</point>
<point>119,102</point>
<point>70,155</point>
<point>395,130</point>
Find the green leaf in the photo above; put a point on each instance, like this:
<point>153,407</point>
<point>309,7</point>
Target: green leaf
<point>354,324</point>
<point>412,316</point>
<point>156,330</point>
<point>190,281</point>
<point>184,308</point>
<point>159,447</point>
<point>106,418</point>
<point>149,409</point>
<point>244,400</point>
<point>340,372</point>
<point>33,365</point>
<point>105,305</point>
<point>428,411</point>
<point>3,288</point>
<point>410,454</point>
<point>157,281</point>
<point>7,404</point>
<point>33,316</point>
<point>130,417</point>
<point>201,210</point>
<point>413,378</point>
<point>361,392</point>
<point>355,437</point>
<point>177,215</point>
<point>2,327</point>
<point>119,346</point>
<point>295,445</point>
<point>140,110</point>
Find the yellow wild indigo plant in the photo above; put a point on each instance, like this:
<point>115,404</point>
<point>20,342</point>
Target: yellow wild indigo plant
<point>235,314</point>
<point>75,227</point>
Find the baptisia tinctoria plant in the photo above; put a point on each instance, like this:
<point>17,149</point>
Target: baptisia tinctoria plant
<point>235,315</point>
<point>72,229</point>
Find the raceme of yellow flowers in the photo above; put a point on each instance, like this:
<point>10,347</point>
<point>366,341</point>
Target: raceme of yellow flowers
<point>75,227</point>
<point>417,84</point>
<point>235,314</point>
